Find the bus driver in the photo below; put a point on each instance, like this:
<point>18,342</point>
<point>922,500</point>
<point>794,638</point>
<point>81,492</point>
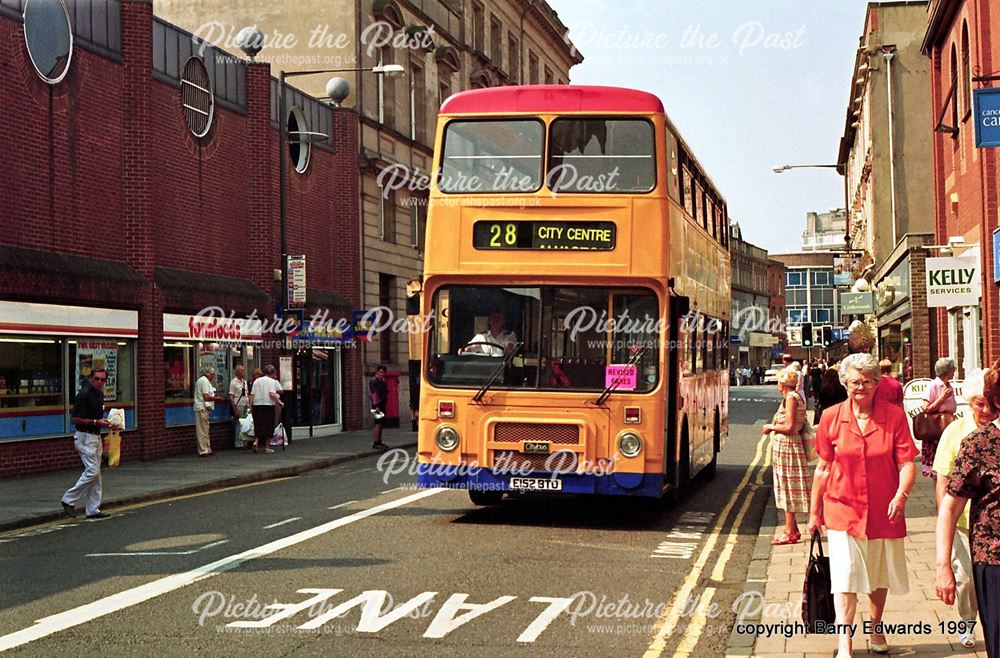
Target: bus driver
<point>486,342</point>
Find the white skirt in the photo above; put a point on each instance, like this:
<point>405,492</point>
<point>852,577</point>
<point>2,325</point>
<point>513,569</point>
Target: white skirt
<point>862,566</point>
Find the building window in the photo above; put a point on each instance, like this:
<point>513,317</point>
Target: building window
<point>496,42</point>
<point>794,279</point>
<point>48,36</point>
<point>955,82</point>
<point>532,68</point>
<point>821,279</point>
<point>418,220</point>
<point>196,97</point>
<point>514,56</point>
<point>387,214</point>
<point>548,76</point>
<point>418,103</point>
<point>386,290</point>
<point>386,90</point>
<point>796,316</point>
<point>967,71</point>
<point>444,87</point>
<point>823,315</point>
<point>478,28</point>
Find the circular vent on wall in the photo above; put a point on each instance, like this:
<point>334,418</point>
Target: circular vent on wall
<point>49,38</point>
<point>196,96</point>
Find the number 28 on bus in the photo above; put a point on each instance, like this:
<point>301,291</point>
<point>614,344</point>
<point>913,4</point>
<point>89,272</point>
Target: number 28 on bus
<point>576,295</point>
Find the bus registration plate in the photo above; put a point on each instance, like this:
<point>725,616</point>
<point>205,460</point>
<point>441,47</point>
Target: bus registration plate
<point>536,484</point>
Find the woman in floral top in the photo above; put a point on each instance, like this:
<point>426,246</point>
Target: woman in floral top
<point>976,478</point>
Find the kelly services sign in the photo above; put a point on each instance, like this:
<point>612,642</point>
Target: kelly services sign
<point>953,282</point>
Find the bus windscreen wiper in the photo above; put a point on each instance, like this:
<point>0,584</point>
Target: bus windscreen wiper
<point>507,358</point>
<point>620,378</point>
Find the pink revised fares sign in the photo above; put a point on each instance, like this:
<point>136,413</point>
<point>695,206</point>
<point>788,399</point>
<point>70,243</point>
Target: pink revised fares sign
<point>621,377</point>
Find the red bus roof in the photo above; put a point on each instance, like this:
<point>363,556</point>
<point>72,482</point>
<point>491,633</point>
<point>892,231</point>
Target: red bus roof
<point>551,98</point>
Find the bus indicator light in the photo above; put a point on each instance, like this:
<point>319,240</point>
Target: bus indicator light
<point>633,415</point>
<point>446,409</point>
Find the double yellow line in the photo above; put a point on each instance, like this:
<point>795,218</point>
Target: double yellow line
<point>694,629</point>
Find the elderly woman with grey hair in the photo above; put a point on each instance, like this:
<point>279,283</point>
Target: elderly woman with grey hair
<point>982,413</point>
<point>939,400</point>
<point>790,467</point>
<point>859,495</point>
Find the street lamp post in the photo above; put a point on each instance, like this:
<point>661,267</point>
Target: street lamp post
<point>780,169</point>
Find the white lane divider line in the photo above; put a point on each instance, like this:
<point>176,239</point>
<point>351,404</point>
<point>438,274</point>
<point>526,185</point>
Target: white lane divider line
<point>389,490</point>
<point>130,597</point>
<point>148,553</point>
<point>280,523</point>
<point>350,502</point>
<point>668,623</point>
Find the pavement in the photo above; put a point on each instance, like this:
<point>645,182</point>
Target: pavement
<point>777,573</point>
<point>30,500</point>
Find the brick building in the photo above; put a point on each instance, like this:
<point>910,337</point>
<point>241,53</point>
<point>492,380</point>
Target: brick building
<point>962,40</point>
<point>141,186</point>
<point>445,46</point>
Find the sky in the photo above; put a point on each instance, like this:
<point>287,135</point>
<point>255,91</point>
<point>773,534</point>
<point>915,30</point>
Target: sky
<point>750,84</point>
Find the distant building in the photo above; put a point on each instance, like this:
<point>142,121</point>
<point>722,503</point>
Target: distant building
<point>810,295</point>
<point>751,302</point>
<point>778,315</point>
<point>825,231</point>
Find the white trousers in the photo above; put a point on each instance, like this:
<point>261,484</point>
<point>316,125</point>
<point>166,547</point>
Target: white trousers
<point>90,448</point>
<point>961,562</point>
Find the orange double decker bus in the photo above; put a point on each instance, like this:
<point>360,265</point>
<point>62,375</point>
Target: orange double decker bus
<point>576,295</point>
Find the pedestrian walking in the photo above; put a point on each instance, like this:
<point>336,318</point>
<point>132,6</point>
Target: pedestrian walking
<point>860,489</point>
<point>378,394</point>
<point>265,401</point>
<point>975,478</point>
<point>939,400</point>
<point>790,466</point>
<point>88,418</point>
<point>204,403</point>
<point>239,400</point>
<point>944,464</point>
<point>889,389</point>
<point>831,392</point>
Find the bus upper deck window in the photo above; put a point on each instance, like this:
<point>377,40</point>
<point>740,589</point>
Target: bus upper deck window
<point>492,156</point>
<point>601,156</point>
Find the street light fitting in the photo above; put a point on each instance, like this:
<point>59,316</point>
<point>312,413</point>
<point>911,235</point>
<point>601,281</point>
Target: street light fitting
<point>388,70</point>
<point>251,41</point>
<point>785,167</point>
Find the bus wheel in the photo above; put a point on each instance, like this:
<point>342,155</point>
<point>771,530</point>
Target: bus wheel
<point>485,498</point>
<point>709,471</point>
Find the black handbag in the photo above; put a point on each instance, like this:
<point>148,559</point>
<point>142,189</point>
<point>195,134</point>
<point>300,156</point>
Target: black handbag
<point>818,612</point>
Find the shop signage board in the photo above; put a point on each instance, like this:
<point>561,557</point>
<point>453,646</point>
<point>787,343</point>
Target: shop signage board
<point>953,282</point>
<point>296,278</point>
<point>213,329</point>
<point>51,319</point>
<point>857,303</point>
<point>986,110</point>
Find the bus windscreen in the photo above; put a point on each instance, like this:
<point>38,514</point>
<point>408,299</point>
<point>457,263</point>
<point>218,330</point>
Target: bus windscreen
<point>601,156</point>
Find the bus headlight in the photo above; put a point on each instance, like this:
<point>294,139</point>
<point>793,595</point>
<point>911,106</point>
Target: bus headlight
<point>446,438</point>
<point>629,444</point>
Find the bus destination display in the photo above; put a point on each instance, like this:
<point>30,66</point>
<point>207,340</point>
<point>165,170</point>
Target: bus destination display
<point>571,236</point>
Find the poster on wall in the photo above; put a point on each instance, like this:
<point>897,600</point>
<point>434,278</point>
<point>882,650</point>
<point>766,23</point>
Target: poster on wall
<point>91,356</point>
<point>285,374</point>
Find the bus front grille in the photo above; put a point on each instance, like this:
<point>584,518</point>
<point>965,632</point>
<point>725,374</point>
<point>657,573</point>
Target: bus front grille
<point>516,462</point>
<point>556,434</point>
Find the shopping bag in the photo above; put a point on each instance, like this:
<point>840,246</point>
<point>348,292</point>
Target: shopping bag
<point>818,613</point>
<point>929,426</point>
<point>113,443</point>
<point>246,425</point>
<point>279,438</point>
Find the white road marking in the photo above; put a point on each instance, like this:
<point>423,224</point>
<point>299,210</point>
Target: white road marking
<point>343,504</point>
<point>390,490</point>
<point>279,523</point>
<point>147,553</point>
<point>668,623</point>
<point>128,598</point>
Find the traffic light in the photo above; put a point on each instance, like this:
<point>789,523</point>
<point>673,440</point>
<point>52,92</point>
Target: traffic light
<point>827,335</point>
<point>807,334</point>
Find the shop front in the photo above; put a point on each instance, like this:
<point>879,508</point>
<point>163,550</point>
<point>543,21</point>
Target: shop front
<point>48,352</point>
<point>893,308</point>
<point>192,343</point>
<point>317,383</point>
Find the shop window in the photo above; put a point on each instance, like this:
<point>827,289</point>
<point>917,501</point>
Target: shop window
<point>31,388</point>
<point>178,375</point>
<point>116,357</point>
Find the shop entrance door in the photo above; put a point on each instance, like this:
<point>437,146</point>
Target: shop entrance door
<point>323,390</point>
